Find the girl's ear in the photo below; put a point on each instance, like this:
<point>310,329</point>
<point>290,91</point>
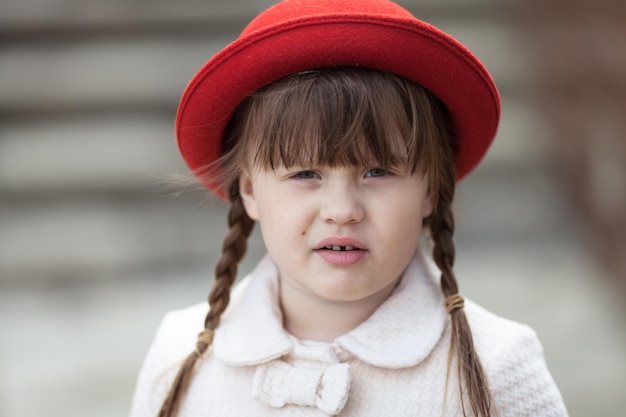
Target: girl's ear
<point>428,206</point>
<point>430,199</point>
<point>246,191</point>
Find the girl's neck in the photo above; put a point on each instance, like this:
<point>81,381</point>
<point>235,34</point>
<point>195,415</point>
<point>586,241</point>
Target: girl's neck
<point>310,318</point>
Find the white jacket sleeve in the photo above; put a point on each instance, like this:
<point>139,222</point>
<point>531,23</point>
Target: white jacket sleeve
<point>522,386</point>
<point>513,359</point>
<point>174,341</point>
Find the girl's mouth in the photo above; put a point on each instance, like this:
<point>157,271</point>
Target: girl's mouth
<point>341,251</point>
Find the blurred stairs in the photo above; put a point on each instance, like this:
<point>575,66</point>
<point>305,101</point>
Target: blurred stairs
<point>89,94</point>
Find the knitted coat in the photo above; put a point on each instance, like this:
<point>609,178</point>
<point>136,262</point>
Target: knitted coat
<point>393,364</point>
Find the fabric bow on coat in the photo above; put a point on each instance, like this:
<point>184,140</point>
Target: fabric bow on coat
<point>278,383</point>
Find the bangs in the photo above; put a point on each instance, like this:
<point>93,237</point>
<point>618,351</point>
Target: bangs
<point>329,119</point>
<point>338,117</point>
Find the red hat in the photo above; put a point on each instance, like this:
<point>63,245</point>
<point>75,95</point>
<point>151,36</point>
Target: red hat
<point>296,35</point>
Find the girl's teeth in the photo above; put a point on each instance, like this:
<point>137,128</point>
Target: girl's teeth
<point>339,248</point>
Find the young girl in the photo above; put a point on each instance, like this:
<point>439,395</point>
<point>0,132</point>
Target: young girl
<point>341,127</point>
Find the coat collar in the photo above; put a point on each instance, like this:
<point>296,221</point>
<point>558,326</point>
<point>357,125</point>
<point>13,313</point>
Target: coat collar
<point>400,333</point>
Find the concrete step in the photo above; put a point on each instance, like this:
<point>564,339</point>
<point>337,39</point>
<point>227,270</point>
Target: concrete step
<point>87,153</point>
<point>76,240</point>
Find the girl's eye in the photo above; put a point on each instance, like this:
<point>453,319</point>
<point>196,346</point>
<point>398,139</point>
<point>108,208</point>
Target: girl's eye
<point>376,172</point>
<point>305,175</point>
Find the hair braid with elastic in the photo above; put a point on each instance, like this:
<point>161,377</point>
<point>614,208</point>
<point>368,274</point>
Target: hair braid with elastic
<point>233,249</point>
<point>472,377</point>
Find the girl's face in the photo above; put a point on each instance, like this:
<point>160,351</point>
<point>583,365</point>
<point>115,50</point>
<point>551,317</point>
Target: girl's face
<point>337,234</point>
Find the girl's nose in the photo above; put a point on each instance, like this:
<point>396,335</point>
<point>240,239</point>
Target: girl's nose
<point>341,204</point>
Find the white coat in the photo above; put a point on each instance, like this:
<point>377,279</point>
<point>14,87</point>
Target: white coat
<point>393,364</point>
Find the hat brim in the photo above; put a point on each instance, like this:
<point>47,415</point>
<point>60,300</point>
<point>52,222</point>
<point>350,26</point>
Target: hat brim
<point>403,46</point>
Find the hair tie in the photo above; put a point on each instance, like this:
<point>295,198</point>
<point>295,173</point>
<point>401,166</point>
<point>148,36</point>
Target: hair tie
<point>454,302</point>
<point>206,337</point>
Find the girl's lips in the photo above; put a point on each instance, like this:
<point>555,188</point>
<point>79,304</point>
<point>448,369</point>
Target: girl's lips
<point>341,251</point>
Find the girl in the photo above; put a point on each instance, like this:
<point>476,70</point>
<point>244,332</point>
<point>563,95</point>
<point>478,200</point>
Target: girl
<point>341,127</point>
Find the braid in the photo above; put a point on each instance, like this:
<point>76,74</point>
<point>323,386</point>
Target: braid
<point>469,367</point>
<point>233,249</point>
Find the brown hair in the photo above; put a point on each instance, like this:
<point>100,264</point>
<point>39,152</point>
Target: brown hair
<point>343,117</point>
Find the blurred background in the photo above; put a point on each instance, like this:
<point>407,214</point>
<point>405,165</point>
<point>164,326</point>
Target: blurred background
<point>96,244</point>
